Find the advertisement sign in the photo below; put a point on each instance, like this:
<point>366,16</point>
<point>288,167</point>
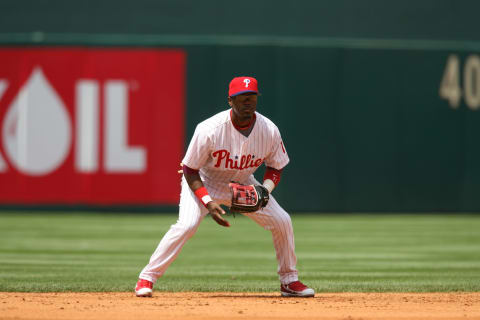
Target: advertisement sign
<point>91,126</point>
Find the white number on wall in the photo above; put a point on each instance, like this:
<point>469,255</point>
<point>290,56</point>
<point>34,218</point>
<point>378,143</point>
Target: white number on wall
<point>471,80</point>
<point>450,88</point>
<point>450,85</point>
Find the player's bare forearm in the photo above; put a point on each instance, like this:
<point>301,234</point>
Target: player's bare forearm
<point>194,182</point>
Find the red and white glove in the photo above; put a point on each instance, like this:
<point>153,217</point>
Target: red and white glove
<point>248,198</point>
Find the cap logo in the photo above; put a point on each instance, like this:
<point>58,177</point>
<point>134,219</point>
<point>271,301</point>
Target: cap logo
<point>247,82</point>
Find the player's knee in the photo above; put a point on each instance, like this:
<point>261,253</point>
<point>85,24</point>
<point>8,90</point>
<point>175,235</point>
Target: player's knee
<point>284,219</point>
<point>188,229</point>
<point>287,221</point>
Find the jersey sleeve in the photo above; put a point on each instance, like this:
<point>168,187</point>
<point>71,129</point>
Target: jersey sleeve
<point>278,157</point>
<point>198,150</point>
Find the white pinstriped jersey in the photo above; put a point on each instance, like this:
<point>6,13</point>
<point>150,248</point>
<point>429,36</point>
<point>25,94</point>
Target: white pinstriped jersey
<point>223,154</point>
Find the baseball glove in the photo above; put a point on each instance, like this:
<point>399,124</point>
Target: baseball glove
<point>248,198</point>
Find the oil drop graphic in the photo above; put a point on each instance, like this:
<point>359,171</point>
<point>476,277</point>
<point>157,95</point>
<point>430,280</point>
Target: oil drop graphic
<point>37,128</point>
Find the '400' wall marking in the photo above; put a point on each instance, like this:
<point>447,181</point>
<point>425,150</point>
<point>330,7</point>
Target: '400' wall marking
<point>450,88</point>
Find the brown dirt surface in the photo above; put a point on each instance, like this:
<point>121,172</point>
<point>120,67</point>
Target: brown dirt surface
<point>227,305</point>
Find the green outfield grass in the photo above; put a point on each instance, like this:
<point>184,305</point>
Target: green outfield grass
<point>367,253</point>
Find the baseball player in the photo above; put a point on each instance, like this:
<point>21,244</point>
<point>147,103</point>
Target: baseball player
<point>227,147</point>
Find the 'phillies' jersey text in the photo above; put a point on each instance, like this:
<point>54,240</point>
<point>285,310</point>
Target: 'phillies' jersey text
<point>245,161</point>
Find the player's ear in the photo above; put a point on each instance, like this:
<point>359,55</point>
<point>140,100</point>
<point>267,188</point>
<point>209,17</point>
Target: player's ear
<point>230,100</point>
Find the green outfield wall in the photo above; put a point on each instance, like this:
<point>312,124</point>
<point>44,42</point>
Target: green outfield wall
<point>366,128</point>
<point>408,19</point>
<point>378,104</point>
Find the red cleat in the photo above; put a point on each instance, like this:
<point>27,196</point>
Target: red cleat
<point>144,288</point>
<point>296,289</point>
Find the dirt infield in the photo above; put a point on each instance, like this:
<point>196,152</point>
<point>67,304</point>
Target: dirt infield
<point>224,305</point>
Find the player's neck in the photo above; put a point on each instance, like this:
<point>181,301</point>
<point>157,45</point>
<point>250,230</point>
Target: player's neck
<point>244,125</point>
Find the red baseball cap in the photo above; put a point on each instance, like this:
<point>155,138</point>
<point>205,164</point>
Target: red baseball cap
<point>241,85</point>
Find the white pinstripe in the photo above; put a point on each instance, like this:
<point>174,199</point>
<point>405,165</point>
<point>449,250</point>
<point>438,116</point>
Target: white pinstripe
<point>190,215</point>
<point>214,134</point>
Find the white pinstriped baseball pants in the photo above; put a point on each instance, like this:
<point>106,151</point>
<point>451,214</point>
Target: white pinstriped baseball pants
<point>192,212</point>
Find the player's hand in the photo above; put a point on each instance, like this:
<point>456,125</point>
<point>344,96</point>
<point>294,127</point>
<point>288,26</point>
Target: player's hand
<point>216,212</point>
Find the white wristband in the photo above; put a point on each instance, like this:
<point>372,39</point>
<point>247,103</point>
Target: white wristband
<point>269,184</point>
<point>206,199</point>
